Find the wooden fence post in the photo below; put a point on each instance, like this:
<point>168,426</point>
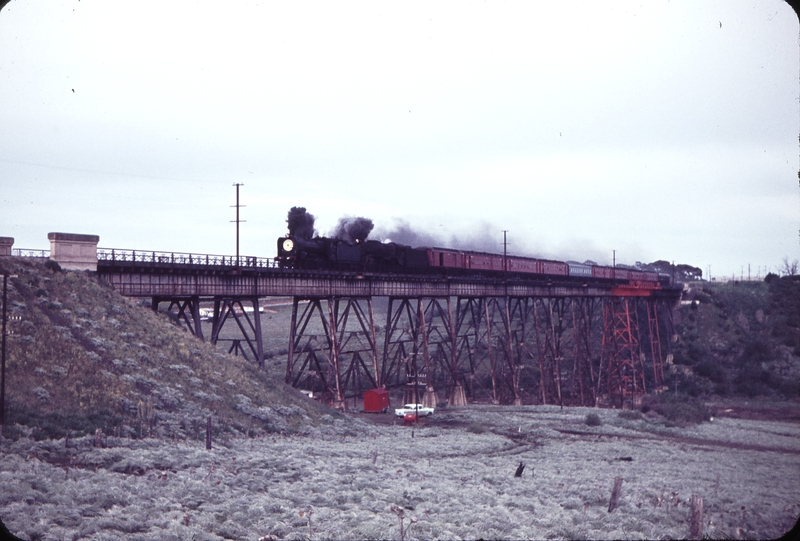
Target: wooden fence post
<point>696,529</point>
<point>612,504</point>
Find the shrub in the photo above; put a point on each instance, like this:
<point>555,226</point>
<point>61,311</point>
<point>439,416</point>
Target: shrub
<point>679,410</point>
<point>52,265</point>
<point>55,425</point>
<point>696,386</point>
<point>755,352</point>
<point>711,370</point>
<point>752,381</point>
<point>631,415</point>
<point>12,432</point>
<point>592,419</point>
<point>790,388</point>
<point>476,428</point>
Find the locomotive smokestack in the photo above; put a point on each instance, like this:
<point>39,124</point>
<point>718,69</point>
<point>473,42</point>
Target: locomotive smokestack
<point>353,230</point>
<point>301,223</point>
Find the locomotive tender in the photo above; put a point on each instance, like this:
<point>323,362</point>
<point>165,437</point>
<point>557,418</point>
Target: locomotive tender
<point>375,256</point>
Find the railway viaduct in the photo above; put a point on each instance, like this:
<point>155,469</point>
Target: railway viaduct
<point>497,339</point>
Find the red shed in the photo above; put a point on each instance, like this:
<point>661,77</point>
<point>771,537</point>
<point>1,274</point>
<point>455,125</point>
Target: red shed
<point>376,400</point>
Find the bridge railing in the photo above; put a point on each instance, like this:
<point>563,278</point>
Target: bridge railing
<point>182,258</point>
<point>29,252</point>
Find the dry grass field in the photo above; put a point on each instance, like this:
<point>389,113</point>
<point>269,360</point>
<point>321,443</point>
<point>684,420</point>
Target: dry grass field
<point>452,477</point>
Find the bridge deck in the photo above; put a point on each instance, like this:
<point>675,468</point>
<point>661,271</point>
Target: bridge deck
<point>147,280</point>
<point>143,273</point>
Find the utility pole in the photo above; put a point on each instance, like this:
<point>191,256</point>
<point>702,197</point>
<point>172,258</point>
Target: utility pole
<point>3,360</point>
<point>237,205</point>
<point>505,250</point>
<point>505,261</point>
<point>614,266</point>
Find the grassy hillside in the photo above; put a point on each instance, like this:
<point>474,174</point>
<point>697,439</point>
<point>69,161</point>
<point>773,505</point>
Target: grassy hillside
<point>82,357</point>
<point>740,339</point>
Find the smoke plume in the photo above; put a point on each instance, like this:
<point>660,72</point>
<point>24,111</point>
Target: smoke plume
<point>403,233</point>
<point>482,239</point>
<point>353,230</point>
<point>301,223</point>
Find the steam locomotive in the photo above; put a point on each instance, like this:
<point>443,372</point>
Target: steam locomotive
<point>337,254</point>
<point>375,256</point>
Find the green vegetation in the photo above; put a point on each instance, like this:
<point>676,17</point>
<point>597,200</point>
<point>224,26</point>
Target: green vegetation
<point>592,419</point>
<point>680,272</point>
<point>630,415</point>
<point>476,428</point>
<point>677,410</point>
<point>739,339</point>
<point>56,425</point>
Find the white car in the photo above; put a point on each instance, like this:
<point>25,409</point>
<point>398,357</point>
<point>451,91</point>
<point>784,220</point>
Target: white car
<point>419,409</point>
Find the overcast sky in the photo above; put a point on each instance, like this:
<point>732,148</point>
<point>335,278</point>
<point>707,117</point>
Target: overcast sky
<point>659,129</point>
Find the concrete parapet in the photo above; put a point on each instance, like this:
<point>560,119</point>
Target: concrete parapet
<point>74,252</point>
<point>5,245</point>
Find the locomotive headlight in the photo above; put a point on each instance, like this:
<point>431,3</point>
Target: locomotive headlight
<point>288,245</point>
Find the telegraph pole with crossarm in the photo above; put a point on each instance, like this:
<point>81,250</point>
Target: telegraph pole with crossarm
<point>237,220</point>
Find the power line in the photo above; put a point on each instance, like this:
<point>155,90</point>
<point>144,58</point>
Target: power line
<point>101,172</point>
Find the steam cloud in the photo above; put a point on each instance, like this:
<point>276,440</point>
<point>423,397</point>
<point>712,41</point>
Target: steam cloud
<point>353,230</point>
<point>301,223</point>
<point>482,240</point>
<point>486,238</point>
<point>403,233</point>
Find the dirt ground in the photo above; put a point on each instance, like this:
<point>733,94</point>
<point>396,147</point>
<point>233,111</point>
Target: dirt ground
<point>758,410</point>
<point>755,409</point>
